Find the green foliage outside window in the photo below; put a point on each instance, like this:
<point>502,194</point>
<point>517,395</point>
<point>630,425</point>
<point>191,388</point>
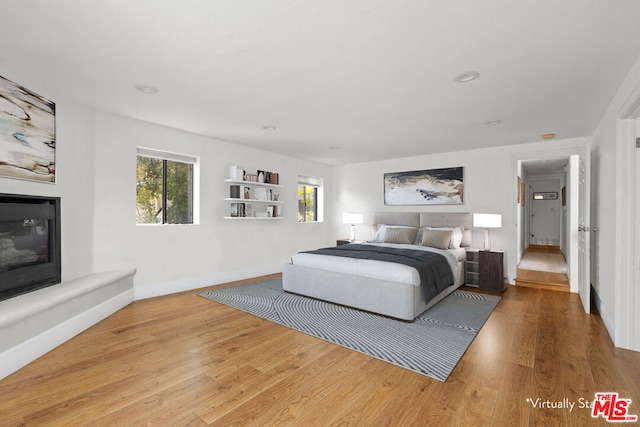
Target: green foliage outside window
<point>307,203</point>
<point>164,191</point>
<point>179,193</point>
<point>148,190</point>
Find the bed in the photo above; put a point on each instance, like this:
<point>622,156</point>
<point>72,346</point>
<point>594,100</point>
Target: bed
<point>386,288</point>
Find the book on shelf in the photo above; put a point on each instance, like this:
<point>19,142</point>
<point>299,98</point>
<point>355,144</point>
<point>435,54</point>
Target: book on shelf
<point>234,191</point>
<point>238,210</point>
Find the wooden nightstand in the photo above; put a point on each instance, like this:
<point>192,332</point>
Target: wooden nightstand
<point>492,270</point>
<point>345,241</point>
<point>485,269</point>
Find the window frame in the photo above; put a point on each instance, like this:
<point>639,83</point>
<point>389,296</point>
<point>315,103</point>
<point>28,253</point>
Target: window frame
<point>194,182</point>
<point>307,182</point>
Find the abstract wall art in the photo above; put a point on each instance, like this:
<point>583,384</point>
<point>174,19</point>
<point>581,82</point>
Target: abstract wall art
<point>425,187</point>
<point>27,134</point>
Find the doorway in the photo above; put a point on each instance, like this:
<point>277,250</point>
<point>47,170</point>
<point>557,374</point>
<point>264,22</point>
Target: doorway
<point>544,218</point>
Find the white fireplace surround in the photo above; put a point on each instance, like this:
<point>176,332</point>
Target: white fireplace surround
<point>35,323</point>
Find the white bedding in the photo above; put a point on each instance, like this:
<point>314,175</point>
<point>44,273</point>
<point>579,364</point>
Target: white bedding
<point>373,269</point>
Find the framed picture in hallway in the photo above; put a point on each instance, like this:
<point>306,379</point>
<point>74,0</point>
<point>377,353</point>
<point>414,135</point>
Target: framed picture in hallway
<point>519,189</point>
<point>27,134</point>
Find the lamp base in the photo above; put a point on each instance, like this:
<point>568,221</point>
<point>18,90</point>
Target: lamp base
<point>487,240</point>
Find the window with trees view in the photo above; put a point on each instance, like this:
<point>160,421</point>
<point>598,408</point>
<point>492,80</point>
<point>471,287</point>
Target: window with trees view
<point>309,199</point>
<point>164,187</point>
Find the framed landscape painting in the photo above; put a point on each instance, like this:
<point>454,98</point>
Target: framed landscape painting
<point>27,134</point>
<point>426,187</point>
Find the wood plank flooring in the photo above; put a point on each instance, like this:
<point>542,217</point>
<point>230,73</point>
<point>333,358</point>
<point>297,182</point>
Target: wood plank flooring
<point>183,360</point>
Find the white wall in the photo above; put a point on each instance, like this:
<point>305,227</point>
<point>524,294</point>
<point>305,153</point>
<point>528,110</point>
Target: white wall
<point>613,191</point>
<point>183,256</point>
<point>545,215</point>
<point>74,170</point>
<point>490,185</point>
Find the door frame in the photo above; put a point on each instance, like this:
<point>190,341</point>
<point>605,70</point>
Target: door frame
<point>581,146</point>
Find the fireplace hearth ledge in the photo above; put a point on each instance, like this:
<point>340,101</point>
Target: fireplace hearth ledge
<point>35,323</point>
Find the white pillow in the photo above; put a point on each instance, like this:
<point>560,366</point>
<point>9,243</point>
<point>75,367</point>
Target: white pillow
<point>456,236</point>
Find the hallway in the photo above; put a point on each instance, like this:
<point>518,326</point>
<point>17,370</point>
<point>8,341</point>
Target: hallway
<point>543,267</point>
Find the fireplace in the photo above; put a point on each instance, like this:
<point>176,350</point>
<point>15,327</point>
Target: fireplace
<point>29,243</point>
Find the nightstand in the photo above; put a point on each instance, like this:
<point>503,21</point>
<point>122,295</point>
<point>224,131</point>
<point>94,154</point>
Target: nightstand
<point>472,268</point>
<point>345,241</point>
<point>485,269</point>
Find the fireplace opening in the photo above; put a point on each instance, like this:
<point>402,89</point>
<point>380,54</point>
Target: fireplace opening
<point>29,243</point>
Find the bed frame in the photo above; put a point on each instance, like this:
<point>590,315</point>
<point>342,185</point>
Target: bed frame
<point>392,299</point>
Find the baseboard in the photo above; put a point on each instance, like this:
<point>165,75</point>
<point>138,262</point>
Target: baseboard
<point>541,285</point>
<point>543,248</point>
<point>26,352</point>
<point>606,319</point>
<point>175,286</point>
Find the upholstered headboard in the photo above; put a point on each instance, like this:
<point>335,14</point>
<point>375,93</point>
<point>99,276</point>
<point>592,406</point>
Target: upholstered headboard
<point>444,219</point>
<point>411,219</point>
<point>428,219</point>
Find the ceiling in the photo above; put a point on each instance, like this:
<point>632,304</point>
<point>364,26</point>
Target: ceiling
<point>551,166</point>
<point>341,81</point>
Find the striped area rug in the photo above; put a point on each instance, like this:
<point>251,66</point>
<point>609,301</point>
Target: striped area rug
<point>432,345</point>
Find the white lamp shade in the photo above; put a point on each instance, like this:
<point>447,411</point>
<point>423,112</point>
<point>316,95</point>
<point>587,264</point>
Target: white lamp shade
<point>487,220</point>
<point>352,218</point>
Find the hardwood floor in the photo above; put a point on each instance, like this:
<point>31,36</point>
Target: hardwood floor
<point>183,360</point>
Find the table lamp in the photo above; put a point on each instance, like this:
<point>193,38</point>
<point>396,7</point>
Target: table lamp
<point>487,221</point>
<point>353,219</point>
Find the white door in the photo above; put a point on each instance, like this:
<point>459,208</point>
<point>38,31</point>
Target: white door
<point>635,296</point>
<point>584,245</point>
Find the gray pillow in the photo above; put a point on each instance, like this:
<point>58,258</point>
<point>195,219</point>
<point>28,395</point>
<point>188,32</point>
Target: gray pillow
<point>439,239</point>
<point>382,229</point>
<point>400,235</point>
<point>456,237</point>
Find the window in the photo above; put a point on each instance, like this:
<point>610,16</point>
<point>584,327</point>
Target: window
<point>309,199</point>
<point>165,184</point>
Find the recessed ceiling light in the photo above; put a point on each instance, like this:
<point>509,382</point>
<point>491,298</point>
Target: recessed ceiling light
<point>548,136</point>
<point>269,127</point>
<point>467,77</point>
<point>146,89</point>
<point>493,123</point>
